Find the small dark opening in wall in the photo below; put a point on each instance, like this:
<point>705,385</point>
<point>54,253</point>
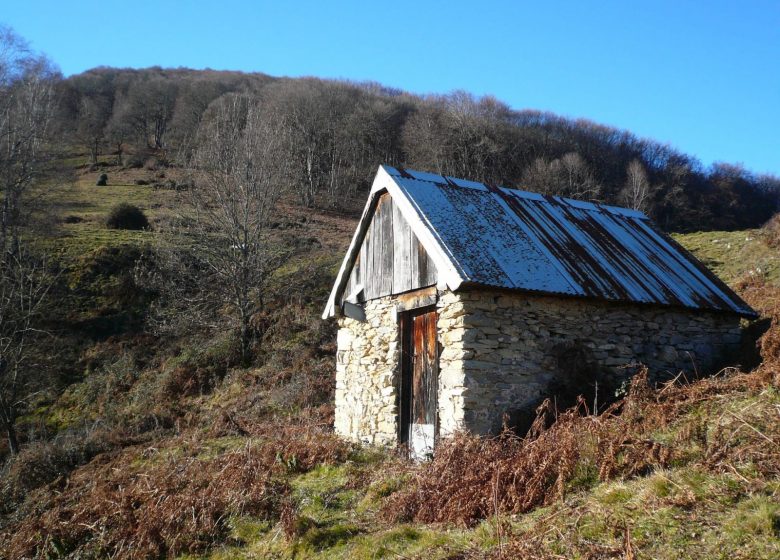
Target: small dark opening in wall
<point>354,311</point>
<point>750,347</point>
<point>578,373</point>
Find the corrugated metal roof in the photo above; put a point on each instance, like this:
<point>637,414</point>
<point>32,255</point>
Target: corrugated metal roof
<point>512,239</point>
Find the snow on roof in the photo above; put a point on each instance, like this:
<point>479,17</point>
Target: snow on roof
<point>485,235</point>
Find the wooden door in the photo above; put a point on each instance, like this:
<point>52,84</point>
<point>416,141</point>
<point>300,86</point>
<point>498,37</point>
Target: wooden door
<point>418,418</point>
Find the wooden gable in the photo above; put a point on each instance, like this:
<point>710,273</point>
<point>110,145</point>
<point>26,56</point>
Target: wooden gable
<point>391,260</point>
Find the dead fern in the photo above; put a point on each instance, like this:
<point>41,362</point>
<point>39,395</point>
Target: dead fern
<point>179,502</point>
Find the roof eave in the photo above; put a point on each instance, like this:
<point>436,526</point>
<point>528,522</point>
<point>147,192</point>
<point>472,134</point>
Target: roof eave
<point>747,312</point>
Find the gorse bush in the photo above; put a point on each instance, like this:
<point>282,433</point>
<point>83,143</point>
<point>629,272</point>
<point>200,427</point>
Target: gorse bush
<point>127,216</point>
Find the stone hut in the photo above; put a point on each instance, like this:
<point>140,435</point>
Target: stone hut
<point>460,303</point>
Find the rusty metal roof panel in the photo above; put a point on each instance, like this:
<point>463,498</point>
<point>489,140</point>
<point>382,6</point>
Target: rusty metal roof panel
<point>506,238</point>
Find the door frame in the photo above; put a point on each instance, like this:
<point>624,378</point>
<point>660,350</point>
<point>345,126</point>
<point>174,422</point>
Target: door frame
<point>404,384</point>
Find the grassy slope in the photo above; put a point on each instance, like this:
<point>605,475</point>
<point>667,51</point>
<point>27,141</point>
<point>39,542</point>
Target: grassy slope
<point>323,237</point>
<point>684,511</point>
<point>734,254</point>
<point>89,205</point>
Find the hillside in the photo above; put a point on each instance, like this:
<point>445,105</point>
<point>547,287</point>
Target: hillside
<point>158,443</point>
<point>332,134</point>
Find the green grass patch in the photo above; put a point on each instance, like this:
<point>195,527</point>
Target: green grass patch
<point>334,522</point>
<point>734,254</point>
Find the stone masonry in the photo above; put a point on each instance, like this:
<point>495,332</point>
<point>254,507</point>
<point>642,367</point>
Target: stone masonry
<point>367,366</point>
<point>500,351</point>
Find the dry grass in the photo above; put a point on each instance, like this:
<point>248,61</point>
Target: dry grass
<point>176,501</point>
<point>473,478</point>
<point>771,231</point>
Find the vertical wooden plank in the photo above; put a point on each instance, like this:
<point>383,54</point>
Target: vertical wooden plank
<point>424,369</point>
<point>418,370</point>
<point>386,247</point>
<point>431,276</point>
<point>413,261</point>
<point>368,263</point>
<point>372,254</point>
<point>422,265</point>
<point>375,251</point>
<point>432,369</point>
<point>354,278</point>
<point>402,233</point>
<point>369,270</point>
<point>349,288</point>
<point>426,269</point>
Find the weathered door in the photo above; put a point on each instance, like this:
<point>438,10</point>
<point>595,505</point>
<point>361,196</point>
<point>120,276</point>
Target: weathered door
<point>418,405</point>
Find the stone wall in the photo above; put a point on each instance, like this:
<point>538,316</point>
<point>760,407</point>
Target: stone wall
<point>367,363</point>
<point>504,352</point>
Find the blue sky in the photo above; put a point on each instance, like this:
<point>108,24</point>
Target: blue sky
<point>702,76</point>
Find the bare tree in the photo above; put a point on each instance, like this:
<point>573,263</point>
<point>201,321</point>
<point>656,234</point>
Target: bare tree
<point>311,120</point>
<point>192,100</point>
<point>566,176</point>
<point>575,177</point>
<point>538,177</point>
<point>26,102</point>
<point>423,134</point>
<point>147,107</point>
<point>24,285</point>
<point>222,253</point>
<point>93,114</point>
<point>460,135</point>
<point>87,103</point>
<point>118,132</point>
<point>636,192</point>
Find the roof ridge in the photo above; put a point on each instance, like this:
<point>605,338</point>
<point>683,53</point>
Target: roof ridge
<point>456,182</point>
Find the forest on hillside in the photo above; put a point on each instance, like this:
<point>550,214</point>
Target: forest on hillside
<point>332,135</point>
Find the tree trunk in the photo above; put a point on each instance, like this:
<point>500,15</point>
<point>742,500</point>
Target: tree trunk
<point>93,152</point>
<point>245,336</point>
<point>13,440</point>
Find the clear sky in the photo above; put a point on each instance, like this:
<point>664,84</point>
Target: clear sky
<point>703,76</point>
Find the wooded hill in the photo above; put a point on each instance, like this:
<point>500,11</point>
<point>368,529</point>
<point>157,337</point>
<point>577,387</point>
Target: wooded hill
<point>332,135</point>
